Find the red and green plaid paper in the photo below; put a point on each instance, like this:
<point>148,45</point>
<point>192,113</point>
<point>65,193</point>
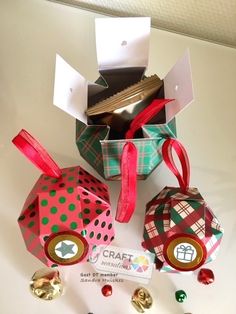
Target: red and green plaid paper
<point>104,155</point>
<point>171,212</point>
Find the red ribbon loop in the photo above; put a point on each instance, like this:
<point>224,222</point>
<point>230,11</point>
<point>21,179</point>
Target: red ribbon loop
<point>167,147</point>
<point>34,151</point>
<point>147,114</point>
<point>127,198</point>
<point>129,161</point>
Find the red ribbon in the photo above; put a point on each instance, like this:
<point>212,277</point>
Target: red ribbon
<point>127,198</point>
<point>167,147</point>
<point>34,151</point>
<point>146,115</point>
<point>129,160</point>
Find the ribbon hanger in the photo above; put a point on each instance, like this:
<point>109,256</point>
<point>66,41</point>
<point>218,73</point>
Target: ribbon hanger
<point>34,151</point>
<point>129,161</point>
<point>184,177</point>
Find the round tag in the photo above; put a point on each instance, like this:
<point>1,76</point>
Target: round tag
<point>184,252</point>
<point>66,248</point>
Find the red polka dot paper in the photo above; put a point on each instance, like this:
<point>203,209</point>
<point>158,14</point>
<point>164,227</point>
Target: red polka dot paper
<point>76,201</point>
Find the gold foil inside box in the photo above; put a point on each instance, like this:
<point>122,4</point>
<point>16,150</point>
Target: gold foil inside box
<point>120,109</point>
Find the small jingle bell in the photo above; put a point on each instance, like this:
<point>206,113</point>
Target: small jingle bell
<point>141,299</point>
<point>206,276</point>
<point>46,284</point>
<point>180,296</point>
<point>107,290</point>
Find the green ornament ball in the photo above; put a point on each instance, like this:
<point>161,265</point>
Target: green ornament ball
<point>180,296</point>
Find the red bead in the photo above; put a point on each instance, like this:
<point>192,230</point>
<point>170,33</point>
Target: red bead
<point>206,276</point>
<point>107,290</point>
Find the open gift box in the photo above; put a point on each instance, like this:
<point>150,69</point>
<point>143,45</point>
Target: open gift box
<point>122,54</point>
<point>179,227</point>
<point>66,213</point>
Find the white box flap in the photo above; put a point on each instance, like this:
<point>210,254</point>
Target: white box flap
<point>122,42</point>
<point>178,86</point>
<point>70,90</point>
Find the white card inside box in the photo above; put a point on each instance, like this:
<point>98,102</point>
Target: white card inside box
<point>122,42</point>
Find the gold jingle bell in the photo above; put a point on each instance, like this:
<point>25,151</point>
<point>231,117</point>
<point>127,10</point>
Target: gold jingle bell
<point>46,284</point>
<point>141,299</point>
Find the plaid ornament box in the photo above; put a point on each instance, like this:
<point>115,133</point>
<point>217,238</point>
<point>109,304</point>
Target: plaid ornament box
<point>65,216</point>
<point>180,228</point>
<point>172,213</point>
<point>119,65</point>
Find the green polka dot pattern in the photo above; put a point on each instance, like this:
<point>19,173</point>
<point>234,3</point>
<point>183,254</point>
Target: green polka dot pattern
<point>73,225</point>
<point>44,202</point>
<point>98,211</point>
<point>53,210</point>
<point>32,206</point>
<point>31,224</point>
<point>83,233</point>
<point>52,193</point>
<point>45,220</point>
<point>63,218</point>
<point>55,228</point>
<point>72,207</point>
<point>62,200</point>
<point>75,201</point>
<point>80,215</point>
<point>86,210</point>
<point>70,190</point>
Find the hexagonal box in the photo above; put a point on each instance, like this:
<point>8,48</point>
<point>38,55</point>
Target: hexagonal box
<point>181,230</point>
<point>63,218</point>
<point>67,212</point>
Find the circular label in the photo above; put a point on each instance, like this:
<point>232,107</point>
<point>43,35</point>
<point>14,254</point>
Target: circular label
<point>185,252</point>
<point>66,248</point>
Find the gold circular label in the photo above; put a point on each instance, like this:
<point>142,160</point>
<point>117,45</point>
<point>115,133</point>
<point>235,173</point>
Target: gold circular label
<point>66,248</point>
<point>185,252</point>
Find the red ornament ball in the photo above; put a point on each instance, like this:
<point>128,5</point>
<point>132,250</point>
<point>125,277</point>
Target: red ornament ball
<point>206,276</point>
<point>107,290</point>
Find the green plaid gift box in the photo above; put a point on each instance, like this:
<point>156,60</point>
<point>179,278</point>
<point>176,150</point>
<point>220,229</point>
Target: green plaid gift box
<point>174,222</point>
<point>120,68</point>
<point>104,155</point>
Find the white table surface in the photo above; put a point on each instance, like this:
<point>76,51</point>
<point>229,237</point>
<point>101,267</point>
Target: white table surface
<point>31,33</point>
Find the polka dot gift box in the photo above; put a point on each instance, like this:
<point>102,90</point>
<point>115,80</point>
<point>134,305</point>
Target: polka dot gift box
<point>66,213</point>
<point>180,228</point>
